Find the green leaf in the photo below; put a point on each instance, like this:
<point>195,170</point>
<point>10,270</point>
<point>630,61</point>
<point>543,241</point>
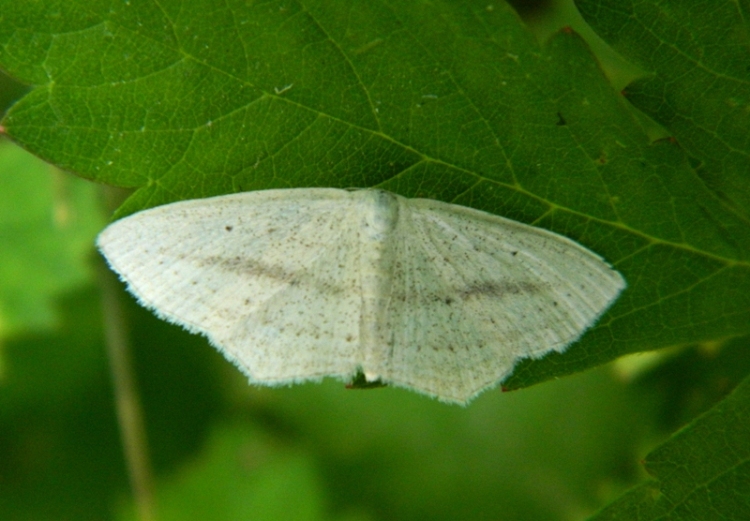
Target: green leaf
<point>449,100</point>
<point>699,82</point>
<point>702,472</point>
<point>47,223</point>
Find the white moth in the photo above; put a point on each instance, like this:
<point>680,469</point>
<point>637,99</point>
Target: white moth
<point>294,285</point>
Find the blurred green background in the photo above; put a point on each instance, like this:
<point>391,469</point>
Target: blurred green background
<point>223,450</point>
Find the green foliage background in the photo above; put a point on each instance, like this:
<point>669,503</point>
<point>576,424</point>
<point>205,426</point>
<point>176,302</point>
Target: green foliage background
<point>456,101</point>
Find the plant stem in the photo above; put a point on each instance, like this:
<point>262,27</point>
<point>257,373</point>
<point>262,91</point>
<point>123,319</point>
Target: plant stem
<point>127,402</point>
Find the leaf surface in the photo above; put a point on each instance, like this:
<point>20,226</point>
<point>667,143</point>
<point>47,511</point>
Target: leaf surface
<point>452,101</point>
